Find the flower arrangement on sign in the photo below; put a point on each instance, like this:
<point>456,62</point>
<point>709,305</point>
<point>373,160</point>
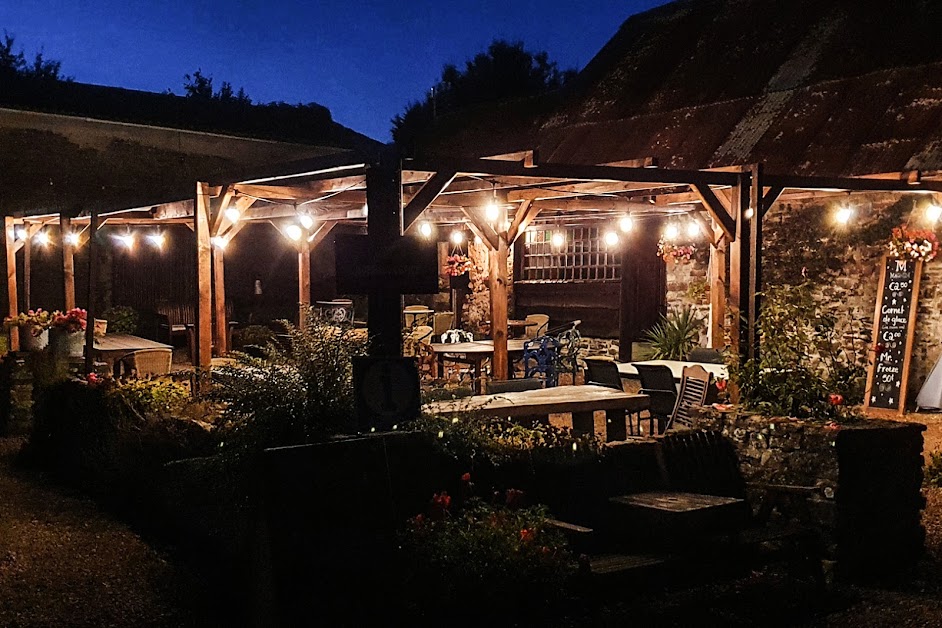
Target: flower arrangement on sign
<point>914,244</point>
<point>679,253</point>
<point>72,321</point>
<point>457,265</point>
<point>35,321</point>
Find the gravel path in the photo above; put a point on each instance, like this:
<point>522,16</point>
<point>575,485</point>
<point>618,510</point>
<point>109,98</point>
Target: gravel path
<point>63,562</point>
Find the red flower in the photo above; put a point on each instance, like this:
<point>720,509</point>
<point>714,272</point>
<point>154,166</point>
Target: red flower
<point>527,535</point>
<point>721,384</point>
<point>513,497</point>
<point>439,506</point>
<point>466,477</point>
<point>879,349</point>
<point>419,519</point>
<point>835,399</point>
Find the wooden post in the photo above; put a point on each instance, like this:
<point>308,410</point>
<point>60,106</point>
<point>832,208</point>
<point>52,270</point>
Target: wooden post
<point>9,239</point>
<point>739,263</point>
<point>68,262</point>
<point>221,336</point>
<point>204,314</point>
<point>384,226</point>
<point>628,293</point>
<point>304,281</point>
<point>755,258</point>
<point>91,308</point>
<point>27,270</point>
<point>718,293</point>
<point>497,260</point>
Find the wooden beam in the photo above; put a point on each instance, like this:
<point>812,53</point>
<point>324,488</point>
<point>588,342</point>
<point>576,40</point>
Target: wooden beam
<point>91,307</point>
<point>9,241</point>
<point>480,228</point>
<point>739,251</point>
<point>424,197</point>
<point>498,281</point>
<point>221,331</point>
<point>27,272</point>
<point>768,199</point>
<point>524,215</point>
<point>68,262</point>
<point>755,258</point>
<point>204,314</point>
<point>718,294</point>
<point>322,232</point>
<point>219,211</point>
<point>384,227</point>
<point>716,210</point>
<point>852,184</point>
<point>304,281</point>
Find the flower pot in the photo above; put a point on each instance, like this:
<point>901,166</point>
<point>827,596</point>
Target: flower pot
<point>460,282</point>
<point>101,327</point>
<point>69,345</point>
<point>29,342</point>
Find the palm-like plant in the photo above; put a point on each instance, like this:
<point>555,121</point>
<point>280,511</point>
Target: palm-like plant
<point>675,334</point>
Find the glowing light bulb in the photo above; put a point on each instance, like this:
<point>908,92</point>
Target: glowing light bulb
<point>457,237</point>
<point>127,240</point>
<point>21,233</point>
<point>693,230</point>
<point>425,229</point>
<point>293,232</point>
<point>157,239</point>
<point>844,214</point>
<point>626,224</point>
<point>491,211</point>
<point>749,213</point>
<point>933,213</point>
<point>42,238</point>
<point>558,239</point>
<point>306,221</point>
<point>671,231</point>
<point>611,238</point>
<point>220,242</point>
<point>477,239</point>
<point>233,214</point>
<point>71,238</point>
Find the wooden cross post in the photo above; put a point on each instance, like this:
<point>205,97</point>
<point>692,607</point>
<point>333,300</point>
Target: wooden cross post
<point>304,281</point>
<point>9,240</point>
<point>384,226</point>
<point>68,262</point>
<point>204,313</point>
<point>91,307</point>
<point>740,252</point>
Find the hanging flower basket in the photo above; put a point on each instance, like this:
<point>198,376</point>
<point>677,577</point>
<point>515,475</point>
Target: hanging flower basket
<point>457,265</point>
<point>675,253</point>
<point>913,244</point>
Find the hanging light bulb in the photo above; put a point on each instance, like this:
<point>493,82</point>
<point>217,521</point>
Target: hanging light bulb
<point>457,237</point>
<point>626,223</point>
<point>42,238</point>
<point>749,213</point>
<point>844,214</point>
<point>558,239</point>
<point>71,238</point>
<point>491,211</point>
<point>693,229</point>
<point>127,239</point>
<point>425,229</point>
<point>293,232</point>
<point>306,221</point>
<point>933,213</point>
<point>220,242</point>
<point>233,214</point>
<point>671,231</point>
<point>611,238</point>
<point>157,239</point>
<point>21,233</point>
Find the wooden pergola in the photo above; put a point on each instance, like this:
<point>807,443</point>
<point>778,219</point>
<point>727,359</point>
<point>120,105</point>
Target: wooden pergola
<point>306,200</point>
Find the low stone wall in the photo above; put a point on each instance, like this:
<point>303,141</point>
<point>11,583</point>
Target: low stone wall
<point>863,482</point>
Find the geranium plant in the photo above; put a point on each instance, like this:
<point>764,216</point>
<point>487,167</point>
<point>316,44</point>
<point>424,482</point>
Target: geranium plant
<point>35,321</point>
<point>456,265</point>
<point>914,244</point>
<point>678,253</point>
<point>72,321</point>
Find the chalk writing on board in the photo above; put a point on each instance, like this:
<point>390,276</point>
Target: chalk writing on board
<point>892,327</point>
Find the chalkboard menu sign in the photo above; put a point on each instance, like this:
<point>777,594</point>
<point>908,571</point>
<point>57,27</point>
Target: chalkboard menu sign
<point>893,323</point>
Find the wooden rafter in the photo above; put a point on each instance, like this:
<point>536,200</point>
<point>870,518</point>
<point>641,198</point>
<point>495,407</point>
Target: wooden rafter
<point>219,208</point>
<point>425,196</point>
<point>481,229</point>
<point>768,199</point>
<point>717,211</point>
<point>525,215</point>
<point>322,232</point>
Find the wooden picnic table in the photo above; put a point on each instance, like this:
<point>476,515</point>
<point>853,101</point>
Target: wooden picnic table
<point>111,348</point>
<point>579,401</point>
<point>472,353</point>
<point>627,370</point>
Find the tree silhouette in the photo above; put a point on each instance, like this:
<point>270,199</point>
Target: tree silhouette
<point>506,70</point>
<point>14,64</point>
<point>200,87</point>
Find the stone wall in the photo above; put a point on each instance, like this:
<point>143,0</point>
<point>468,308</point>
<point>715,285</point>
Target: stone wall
<point>859,483</point>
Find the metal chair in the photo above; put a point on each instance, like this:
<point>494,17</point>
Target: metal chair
<point>694,386</point>
<point>146,362</point>
<point>602,372</point>
<point>570,342</point>
<point>706,355</point>
<point>540,357</point>
<point>657,382</point>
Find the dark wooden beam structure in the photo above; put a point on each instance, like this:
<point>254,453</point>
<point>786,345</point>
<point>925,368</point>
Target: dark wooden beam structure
<point>13,306</point>
<point>204,331</point>
<point>384,225</point>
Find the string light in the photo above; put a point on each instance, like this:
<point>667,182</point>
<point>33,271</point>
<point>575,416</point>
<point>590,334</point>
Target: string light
<point>127,240</point>
<point>157,239</point>
<point>693,229</point>
<point>491,211</point>
<point>749,213</point>
<point>844,214</point>
<point>306,221</point>
<point>671,231</point>
<point>933,213</point>
<point>233,214</point>
<point>220,242</point>
<point>425,229</point>
<point>293,232</point>
<point>457,237</point>
<point>626,223</point>
<point>42,238</point>
<point>611,238</point>
<point>558,239</point>
<point>21,233</point>
<point>71,238</point>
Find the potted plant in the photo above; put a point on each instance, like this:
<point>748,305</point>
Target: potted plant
<point>675,334</point>
<point>675,253</point>
<point>35,327</point>
<point>914,244</point>
<point>120,319</point>
<point>69,328</point>
<point>458,269</point>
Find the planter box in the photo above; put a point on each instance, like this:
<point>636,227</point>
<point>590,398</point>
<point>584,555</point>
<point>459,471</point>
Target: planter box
<point>867,478</point>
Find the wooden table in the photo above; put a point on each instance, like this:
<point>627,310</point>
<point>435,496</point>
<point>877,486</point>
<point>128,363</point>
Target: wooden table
<point>580,401</point>
<point>628,371</point>
<point>518,327</point>
<point>473,353</point>
<point>111,348</point>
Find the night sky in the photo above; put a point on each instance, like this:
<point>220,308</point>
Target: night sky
<point>363,60</point>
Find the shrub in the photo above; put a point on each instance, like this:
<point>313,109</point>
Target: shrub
<point>122,319</point>
<point>300,391</point>
<point>932,475</point>
<point>253,335</point>
<point>675,334</point>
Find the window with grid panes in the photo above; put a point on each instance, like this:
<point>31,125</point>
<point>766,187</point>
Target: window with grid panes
<point>583,257</point>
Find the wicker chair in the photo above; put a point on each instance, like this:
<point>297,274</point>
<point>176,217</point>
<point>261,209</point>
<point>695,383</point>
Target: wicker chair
<point>146,362</point>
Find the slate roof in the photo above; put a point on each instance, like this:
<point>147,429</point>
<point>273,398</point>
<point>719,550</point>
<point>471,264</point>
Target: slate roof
<point>824,87</point>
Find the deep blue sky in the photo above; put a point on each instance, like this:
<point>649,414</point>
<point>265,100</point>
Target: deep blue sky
<point>364,60</point>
